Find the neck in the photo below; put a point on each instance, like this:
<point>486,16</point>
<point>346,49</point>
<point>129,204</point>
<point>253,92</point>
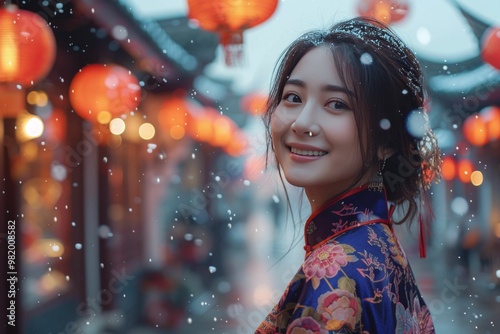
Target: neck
<point>318,196</point>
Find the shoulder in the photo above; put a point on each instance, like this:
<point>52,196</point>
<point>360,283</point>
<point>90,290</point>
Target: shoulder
<point>358,247</point>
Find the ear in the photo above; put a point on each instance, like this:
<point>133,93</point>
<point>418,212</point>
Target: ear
<point>384,152</point>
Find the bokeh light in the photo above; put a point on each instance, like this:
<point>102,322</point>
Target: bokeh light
<point>476,178</point>
<point>117,126</point>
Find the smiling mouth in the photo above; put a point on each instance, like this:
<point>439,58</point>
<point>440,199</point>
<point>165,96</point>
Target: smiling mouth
<point>308,153</point>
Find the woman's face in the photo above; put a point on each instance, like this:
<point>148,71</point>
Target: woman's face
<point>314,131</point>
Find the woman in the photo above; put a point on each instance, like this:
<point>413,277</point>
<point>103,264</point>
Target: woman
<point>338,121</point>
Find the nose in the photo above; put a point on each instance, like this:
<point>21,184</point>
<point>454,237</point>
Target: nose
<point>306,123</point>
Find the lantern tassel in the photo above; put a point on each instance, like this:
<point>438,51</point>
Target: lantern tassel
<point>232,43</point>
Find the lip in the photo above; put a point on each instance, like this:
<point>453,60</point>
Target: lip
<point>305,147</point>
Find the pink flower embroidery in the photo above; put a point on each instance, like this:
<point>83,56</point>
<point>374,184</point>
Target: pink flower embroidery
<point>306,325</point>
<point>325,261</point>
<point>339,308</point>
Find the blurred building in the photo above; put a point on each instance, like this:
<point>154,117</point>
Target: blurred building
<point>118,227</point>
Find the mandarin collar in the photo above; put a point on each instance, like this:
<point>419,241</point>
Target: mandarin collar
<point>360,206</point>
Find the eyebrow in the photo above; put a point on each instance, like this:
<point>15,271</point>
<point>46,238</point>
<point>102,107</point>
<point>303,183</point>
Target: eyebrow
<point>327,88</point>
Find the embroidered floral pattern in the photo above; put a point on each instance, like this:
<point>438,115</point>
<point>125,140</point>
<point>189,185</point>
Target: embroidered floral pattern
<point>339,309</point>
<point>325,261</point>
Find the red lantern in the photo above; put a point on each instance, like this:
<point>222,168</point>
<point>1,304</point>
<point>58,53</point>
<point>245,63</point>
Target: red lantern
<point>465,169</point>
<point>27,53</point>
<point>201,124</point>
<point>491,117</point>
<point>385,11</point>
<point>490,47</point>
<point>474,130</point>
<point>448,168</point>
<point>173,116</point>
<point>229,18</point>
<point>99,88</point>
<point>27,46</point>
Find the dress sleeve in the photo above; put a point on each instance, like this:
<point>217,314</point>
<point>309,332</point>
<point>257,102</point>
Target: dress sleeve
<point>365,286</point>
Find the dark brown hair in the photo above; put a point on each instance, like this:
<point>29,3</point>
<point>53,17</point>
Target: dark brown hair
<point>385,77</point>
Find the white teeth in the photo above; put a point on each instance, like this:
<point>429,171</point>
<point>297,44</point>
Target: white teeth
<point>307,152</point>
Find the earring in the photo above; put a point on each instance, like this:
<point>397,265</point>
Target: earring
<point>377,183</point>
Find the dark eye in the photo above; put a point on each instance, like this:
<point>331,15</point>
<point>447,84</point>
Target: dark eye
<point>291,97</point>
<point>337,105</point>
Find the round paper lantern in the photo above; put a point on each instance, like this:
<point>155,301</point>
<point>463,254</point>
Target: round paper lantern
<point>491,117</point>
<point>229,18</point>
<point>386,11</point>
<point>465,169</point>
<point>448,168</point>
<point>201,126</point>
<point>100,88</point>
<point>27,46</point>
<point>173,116</point>
<point>474,130</point>
<point>490,47</point>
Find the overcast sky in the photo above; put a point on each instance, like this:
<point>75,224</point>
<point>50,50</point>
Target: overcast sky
<point>433,28</point>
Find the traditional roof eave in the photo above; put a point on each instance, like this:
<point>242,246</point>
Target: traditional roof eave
<point>468,79</point>
<point>155,51</point>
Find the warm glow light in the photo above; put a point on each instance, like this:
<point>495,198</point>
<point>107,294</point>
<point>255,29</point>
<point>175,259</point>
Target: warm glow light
<point>117,126</point>
<point>476,178</point>
<point>146,131</point>
<point>448,168</point>
<point>51,282</point>
<point>104,87</point>
<point>229,18</point>
<point>222,131</point>
<point>173,115</point>
<point>201,127</point>
<point>34,127</point>
<point>104,117</point>
<point>474,130</point>
<point>237,145</point>
<point>386,11</point>
<point>491,117</point>
<point>27,46</point>
<point>29,127</point>
<point>133,122</point>
<point>177,132</point>
<point>9,63</point>
<point>39,99</point>
<point>51,247</point>
<point>465,169</point>
<point>254,103</point>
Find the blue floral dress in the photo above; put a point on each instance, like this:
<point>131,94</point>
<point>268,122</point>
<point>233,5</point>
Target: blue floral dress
<point>355,277</point>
